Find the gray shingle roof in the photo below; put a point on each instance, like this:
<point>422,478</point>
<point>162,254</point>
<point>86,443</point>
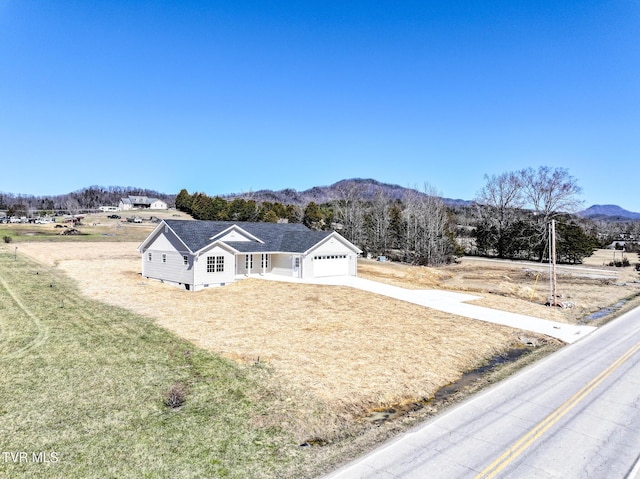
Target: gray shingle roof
<point>139,200</point>
<point>285,237</point>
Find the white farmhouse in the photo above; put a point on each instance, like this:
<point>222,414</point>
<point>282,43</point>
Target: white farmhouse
<point>141,202</point>
<point>199,254</point>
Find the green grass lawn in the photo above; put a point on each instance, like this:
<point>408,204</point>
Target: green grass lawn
<point>84,383</point>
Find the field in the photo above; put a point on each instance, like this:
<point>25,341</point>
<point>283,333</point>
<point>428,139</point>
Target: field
<point>523,287</point>
<point>83,388</point>
<point>97,227</point>
<point>326,357</point>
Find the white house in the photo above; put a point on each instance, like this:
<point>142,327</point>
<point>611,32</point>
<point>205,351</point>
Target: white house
<point>141,202</point>
<point>199,254</point>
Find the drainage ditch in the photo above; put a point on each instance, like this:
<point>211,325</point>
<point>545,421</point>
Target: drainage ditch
<point>604,312</point>
<point>448,393</point>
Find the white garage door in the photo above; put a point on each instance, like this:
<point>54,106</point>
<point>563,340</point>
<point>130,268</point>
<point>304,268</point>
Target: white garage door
<point>330,265</point>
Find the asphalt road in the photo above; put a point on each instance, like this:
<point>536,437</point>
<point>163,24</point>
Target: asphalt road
<point>577,269</point>
<point>575,414</point>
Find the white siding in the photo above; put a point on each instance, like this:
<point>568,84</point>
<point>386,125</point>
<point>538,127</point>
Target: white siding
<point>167,260</point>
<point>281,264</point>
<point>204,279</point>
<point>158,205</point>
<point>234,235</point>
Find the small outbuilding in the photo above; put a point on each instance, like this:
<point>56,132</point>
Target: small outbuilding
<point>200,254</point>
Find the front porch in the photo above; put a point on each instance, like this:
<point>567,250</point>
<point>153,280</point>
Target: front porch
<point>261,264</point>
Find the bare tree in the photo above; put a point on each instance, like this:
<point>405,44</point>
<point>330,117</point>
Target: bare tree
<point>426,223</point>
<point>72,205</point>
<point>349,210</point>
<point>378,219</point>
<point>548,192</point>
<point>498,205</point>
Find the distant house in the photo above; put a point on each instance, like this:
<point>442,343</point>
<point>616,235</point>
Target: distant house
<point>141,202</point>
<point>620,245</point>
<point>199,254</point>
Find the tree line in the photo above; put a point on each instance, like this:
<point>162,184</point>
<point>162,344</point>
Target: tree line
<point>510,218</point>
<point>86,199</point>
<point>515,209</point>
<point>416,229</point>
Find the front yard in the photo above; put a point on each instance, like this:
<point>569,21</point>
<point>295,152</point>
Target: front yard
<point>317,360</point>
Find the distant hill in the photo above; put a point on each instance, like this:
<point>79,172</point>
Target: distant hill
<point>88,198</point>
<point>367,189</point>
<point>609,212</point>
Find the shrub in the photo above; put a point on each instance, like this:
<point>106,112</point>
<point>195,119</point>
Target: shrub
<point>175,396</point>
<point>620,264</point>
<point>7,239</point>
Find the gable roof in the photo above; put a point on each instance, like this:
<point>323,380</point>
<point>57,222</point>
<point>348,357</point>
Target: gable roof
<point>139,200</point>
<point>274,237</point>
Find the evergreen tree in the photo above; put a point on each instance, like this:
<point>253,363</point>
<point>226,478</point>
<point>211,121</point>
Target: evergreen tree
<point>183,201</point>
<point>312,216</point>
<point>573,244</point>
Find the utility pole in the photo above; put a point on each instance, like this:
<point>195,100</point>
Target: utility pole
<point>552,253</point>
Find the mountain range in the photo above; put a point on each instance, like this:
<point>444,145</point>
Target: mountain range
<point>94,196</point>
<point>366,189</point>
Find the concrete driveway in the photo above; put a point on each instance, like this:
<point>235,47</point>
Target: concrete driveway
<point>455,303</point>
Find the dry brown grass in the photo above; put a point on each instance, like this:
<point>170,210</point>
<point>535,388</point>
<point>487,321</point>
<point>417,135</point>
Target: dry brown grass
<point>519,287</point>
<point>603,257</point>
<point>351,349</point>
<point>333,348</point>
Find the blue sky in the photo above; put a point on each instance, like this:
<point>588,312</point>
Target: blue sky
<point>236,96</point>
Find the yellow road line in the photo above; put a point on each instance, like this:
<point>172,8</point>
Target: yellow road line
<point>524,442</point>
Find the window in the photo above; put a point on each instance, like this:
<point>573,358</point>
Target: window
<point>185,260</point>
<point>265,261</point>
<point>248,262</point>
<point>335,256</point>
<point>164,258</point>
<point>215,264</point>
<point>149,257</point>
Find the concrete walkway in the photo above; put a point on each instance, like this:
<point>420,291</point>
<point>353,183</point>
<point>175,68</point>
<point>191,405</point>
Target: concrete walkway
<point>454,303</point>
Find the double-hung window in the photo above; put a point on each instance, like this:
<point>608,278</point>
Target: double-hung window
<point>215,264</point>
<point>219,264</point>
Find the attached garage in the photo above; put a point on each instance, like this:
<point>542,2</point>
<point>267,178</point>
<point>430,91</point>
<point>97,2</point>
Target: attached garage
<point>330,265</point>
